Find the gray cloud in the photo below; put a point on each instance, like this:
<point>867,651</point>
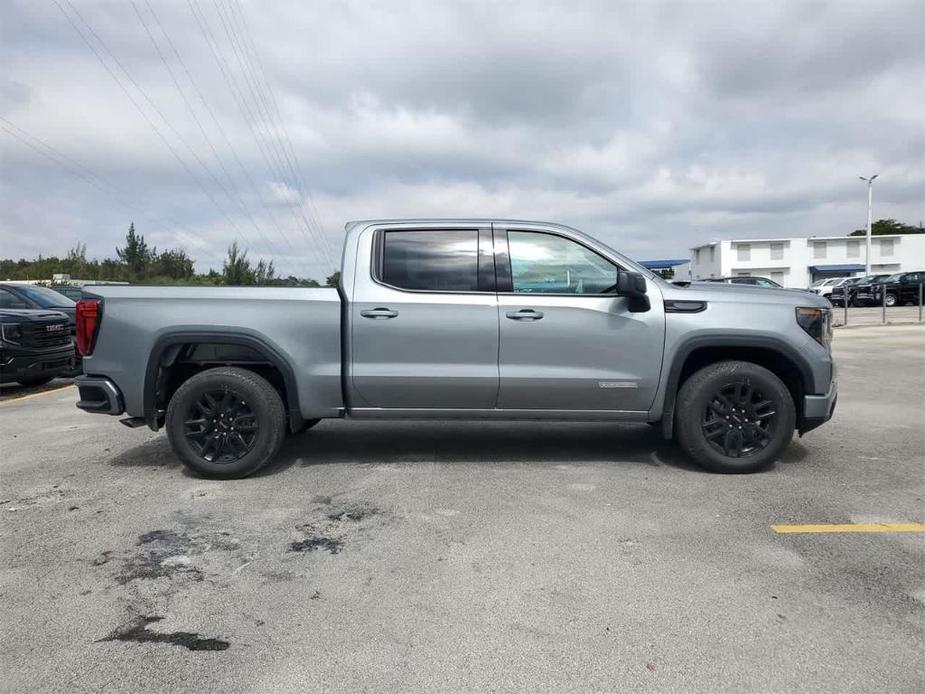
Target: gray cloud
<point>654,126</point>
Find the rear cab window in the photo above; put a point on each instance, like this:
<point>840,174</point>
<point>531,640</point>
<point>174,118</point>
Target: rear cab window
<point>452,260</point>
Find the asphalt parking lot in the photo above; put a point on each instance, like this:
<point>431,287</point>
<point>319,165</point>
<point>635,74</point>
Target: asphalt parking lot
<point>470,557</point>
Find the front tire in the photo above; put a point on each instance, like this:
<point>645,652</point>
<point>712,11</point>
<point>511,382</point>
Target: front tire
<point>891,299</point>
<point>734,417</point>
<point>226,423</point>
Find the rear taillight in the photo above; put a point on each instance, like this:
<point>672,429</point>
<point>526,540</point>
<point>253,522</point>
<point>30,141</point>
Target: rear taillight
<point>89,312</point>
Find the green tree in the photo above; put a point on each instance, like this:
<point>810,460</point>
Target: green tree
<point>883,227</point>
<point>173,263</point>
<point>333,280</point>
<point>264,273</point>
<point>135,253</point>
<point>237,268</point>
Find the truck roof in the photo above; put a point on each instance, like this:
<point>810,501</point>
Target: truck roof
<point>455,221</point>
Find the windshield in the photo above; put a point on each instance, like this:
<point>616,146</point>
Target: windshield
<point>44,297</point>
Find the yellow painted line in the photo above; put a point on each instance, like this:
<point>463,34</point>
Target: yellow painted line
<point>34,395</point>
<point>851,528</point>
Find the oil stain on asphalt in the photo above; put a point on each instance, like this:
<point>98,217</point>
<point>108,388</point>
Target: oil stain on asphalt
<point>167,554</point>
<point>328,534</point>
<point>138,632</point>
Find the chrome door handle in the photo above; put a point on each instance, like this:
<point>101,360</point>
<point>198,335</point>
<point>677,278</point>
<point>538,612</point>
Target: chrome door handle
<point>379,313</point>
<point>524,314</point>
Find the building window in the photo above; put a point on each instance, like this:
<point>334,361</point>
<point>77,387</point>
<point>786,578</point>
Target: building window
<point>854,249</point>
<point>743,251</point>
<point>712,254</point>
<point>697,255</point>
<point>886,246</point>
<point>778,277</point>
<point>777,251</point>
<point>820,250</point>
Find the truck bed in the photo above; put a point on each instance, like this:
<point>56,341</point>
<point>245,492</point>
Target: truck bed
<point>301,325</point>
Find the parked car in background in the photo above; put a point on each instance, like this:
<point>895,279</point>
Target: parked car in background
<point>35,346</point>
<point>863,291</point>
<point>14,295</point>
<point>825,287</point>
<point>35,296</point>
<point>70,291</point>
<point>900,289</point>
<point>754,281</point>
<point>849,290</point>
<point>462,319</point>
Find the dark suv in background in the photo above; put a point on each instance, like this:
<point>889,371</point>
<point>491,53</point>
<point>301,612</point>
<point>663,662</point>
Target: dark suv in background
<point>34,296</point>
<point>900,289</point>
<point>35,346</point>
<point>849,289</point>
<point>863,292</point>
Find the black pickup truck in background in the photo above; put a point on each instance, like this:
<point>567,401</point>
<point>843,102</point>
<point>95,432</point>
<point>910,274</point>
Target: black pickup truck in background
<point>35,346</point>
<point>900,289</point>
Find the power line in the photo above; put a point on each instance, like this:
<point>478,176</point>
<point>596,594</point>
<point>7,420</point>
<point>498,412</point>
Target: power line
<point>218,125</point>
<point>202,130</point>
<point>293,162</point>
<point>46,150</point>
<point>241,101</point>
<point>264,114</point>
<point>142,111</point>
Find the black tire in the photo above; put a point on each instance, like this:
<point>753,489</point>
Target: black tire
<point>226,423</point>
<point>37,380</point>
<point>759,409</point>
<point>891,299</point>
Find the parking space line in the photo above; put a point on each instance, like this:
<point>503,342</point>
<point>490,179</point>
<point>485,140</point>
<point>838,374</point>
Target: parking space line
<point>851,528</point>
<point>34,395</point>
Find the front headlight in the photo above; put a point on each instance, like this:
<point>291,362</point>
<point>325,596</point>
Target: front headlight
<point>816,322</point>
<point>11,332</point>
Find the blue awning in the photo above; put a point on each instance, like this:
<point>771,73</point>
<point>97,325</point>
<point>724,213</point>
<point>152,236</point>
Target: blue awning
<point>661,264</point>
<point>836,268</point>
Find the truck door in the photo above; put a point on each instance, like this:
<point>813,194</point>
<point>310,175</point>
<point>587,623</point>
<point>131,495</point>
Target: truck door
<point>565,343</point>
<point>424,321</point>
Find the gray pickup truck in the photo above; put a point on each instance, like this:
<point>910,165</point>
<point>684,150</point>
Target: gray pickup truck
<point>461,319</point>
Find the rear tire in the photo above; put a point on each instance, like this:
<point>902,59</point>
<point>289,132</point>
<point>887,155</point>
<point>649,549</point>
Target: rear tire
<point>734,417</point>
<point>226,423</point>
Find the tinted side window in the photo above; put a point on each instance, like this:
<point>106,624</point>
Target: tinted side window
<point>545,263</point>
<point>9,300</point>
<point>431,260</point>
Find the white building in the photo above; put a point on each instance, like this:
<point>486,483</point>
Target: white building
<point>798,262</point>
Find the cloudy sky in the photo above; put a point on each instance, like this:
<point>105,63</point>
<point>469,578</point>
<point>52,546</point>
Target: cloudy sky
<point>652,126</point>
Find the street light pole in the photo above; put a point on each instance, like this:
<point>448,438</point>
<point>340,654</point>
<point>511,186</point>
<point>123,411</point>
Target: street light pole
<point>870,210</point>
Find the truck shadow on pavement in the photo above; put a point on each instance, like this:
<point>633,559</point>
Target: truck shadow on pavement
<point>338,442</point>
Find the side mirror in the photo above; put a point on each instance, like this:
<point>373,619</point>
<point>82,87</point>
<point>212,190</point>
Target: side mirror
<point>632,285</point>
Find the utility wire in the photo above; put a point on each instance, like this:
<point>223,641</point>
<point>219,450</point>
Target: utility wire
<point>98,182</point>
<point>143,113</point>
<point>202,130</point>
<point>291,156</point>
<point>264,114</point>
<point>244,170</point>
<point>240,98</point>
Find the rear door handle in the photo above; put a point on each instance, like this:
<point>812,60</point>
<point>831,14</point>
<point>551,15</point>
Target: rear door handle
<point>379,313</point>
<point>525,314</point>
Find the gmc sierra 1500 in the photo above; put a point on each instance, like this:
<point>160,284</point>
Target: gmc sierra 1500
<point>474,319</point>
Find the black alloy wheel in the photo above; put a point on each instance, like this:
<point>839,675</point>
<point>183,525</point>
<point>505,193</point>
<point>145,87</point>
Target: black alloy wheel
<point>739,421</point>
<point>221,427</point>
